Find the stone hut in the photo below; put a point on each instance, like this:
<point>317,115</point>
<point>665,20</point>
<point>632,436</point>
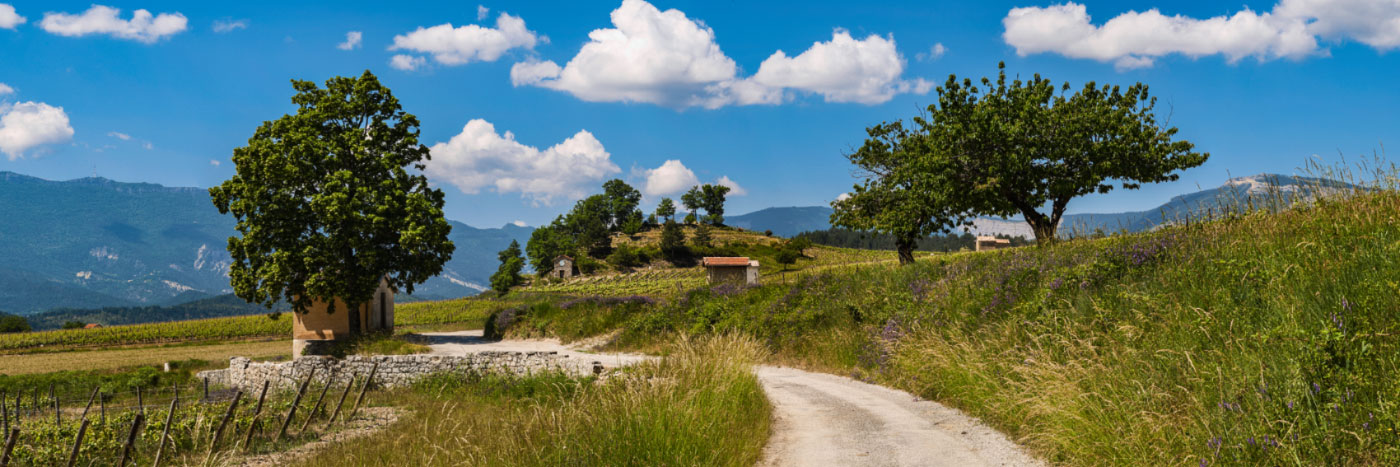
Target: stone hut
<point>563,267</point>
<point>315,329</point>
<point>740,270</point>
<point>985,243</point>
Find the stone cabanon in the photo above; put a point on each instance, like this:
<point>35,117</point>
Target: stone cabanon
<point>393,370</point>
<point>314,329</point>
<point>730,269</point>
<point>985,243</point>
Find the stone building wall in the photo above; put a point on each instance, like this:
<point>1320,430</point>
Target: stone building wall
<point>394,370</point>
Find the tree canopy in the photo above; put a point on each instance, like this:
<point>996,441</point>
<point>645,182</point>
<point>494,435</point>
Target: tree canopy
<point>508,274</point>
<point>712,199</point>
<point>666,209</point>
<point>622,202</point>
<point>325,204</point>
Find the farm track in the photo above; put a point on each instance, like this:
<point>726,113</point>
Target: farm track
<point>822,419</point>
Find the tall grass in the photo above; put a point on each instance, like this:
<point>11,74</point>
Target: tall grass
<point>701,405</point>
<point>1261,336</point>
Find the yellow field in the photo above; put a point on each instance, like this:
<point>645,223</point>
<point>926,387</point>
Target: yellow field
<point>117,358</point>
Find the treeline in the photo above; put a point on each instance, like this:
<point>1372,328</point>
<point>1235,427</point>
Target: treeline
<point>847,238</point>
<point>214,307</point>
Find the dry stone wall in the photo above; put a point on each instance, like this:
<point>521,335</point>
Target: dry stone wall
<point>393,370</point>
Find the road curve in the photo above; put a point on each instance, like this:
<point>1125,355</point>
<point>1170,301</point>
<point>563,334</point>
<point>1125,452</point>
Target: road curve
<point>826,420</point>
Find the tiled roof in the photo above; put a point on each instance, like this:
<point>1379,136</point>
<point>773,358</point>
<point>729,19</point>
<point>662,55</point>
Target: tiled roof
<point>726,261</point>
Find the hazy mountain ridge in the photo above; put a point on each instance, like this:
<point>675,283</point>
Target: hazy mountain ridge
<point>94,242</point>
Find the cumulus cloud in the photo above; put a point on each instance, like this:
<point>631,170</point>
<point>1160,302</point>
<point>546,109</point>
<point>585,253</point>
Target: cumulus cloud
<point>8,17</point>
<point>215,162</point>
<point>461,45</point>
<point>142,27</point>
<point>407,62</point>
<point>119,135</point>
<point>26,125</point>
<point>6,89</point>
<point>670,178</point>
<point>222,26</point>
<point>734,188</point>
<point>666,58</point>
<point>352,41</point>
<point>1136,39</point>
<point>481,12</point>
<point>844,69</point>
<point>479,158</point>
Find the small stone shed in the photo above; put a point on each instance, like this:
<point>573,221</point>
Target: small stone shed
<point>732,269</point>
<point>317,327</point>
<point>985,243</point>
<point>563,267</point>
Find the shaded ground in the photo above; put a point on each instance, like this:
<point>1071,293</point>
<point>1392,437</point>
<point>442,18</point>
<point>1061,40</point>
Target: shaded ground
<point>822,419</point>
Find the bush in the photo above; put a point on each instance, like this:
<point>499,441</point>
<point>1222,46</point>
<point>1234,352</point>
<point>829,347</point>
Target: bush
<point>12,323</point>
<point>626,257</point>
<point>73,324</point>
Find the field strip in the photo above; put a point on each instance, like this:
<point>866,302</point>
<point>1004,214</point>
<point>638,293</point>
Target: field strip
<point>107,359</point>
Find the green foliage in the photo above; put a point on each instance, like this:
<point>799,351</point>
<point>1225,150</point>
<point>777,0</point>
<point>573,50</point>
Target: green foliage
<point>1013,147</point>
<point>212,307</point>
<point>788,255</point>
<point>325,203</point>
<point>702,237</point>
<point>847,238</point>
<point>801,244</point>
<point>712,199</point>
<point>546,243</point>
<point>634,224</point>
<point>691,219</point>
<point>626,257</point>
<point>508,275</point>
<point>622,202</point>
<point>666,209</point>
<point>587,224</point>
<point>693,200</point>
<point>12,323</point>
<point>73,325</point>
<point>673,241</point>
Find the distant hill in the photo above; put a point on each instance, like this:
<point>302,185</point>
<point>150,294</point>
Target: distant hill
<point>93,243</point>
<point>793,220</point>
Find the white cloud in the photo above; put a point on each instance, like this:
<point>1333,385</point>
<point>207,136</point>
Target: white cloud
<point>843,196</point>
<point>119,135</point>
<point>222,26</point>
<point>98,19</point>
<point>352,41</point>
<point>1135,39</point>
<point>461,45</point>
<point>934,53</point>
<point>843,70</point>
<point>6,89</point>
<point>215,162</point>
<point>734,188</point>
<point>407,62</point>
<point>666,58</point>
<point>670,178</point>
<point>519,223</point>
<point>26,125</point>
<point>479,158</point>
<point>481,12</point>
<point>8,18</point>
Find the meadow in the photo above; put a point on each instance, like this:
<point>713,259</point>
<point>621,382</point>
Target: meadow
<point>1258,337</point>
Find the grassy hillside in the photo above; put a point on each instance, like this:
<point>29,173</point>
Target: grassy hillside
<point>1257,339</point>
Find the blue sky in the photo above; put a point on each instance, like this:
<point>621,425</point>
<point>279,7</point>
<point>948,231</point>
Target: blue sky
<point>1262,86</point>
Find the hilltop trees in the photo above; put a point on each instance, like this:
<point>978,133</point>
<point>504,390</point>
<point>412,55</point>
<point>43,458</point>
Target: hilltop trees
<point>508,274</point>
<point>1006,148</point>
<point>622,203</point>
<point>712,199</point>
<point>666,209</point>
<point>673,241</point>
<point>547,243</point>
<point>692,200</point>
<point>325,203</point>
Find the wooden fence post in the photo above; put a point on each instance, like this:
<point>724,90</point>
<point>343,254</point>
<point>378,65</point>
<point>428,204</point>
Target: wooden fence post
<point>165,433</point>
<point>255,421</point>
<point>219,433</point>
<point>9,447</point>
<point>78,444</point>
<point>130,440</point>
<point>102,404</point>
<point>293,411</point>
<point>89,404</point>
<point>5,411</point>
<point>374,369</point>
<point>312,413</point>
<point>140,401</point>
<point>206,389</point>
<point>348,385</point>
<point>54,399</point>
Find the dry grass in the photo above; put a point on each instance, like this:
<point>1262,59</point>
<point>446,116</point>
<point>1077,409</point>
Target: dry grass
<point>109,359</point>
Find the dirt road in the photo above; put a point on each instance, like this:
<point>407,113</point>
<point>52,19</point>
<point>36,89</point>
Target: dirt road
<point>826,420</point>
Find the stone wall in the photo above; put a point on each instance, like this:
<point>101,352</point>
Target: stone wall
<point>393,370</point>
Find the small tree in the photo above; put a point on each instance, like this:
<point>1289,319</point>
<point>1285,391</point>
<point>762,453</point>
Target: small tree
<point>690,218</point>
<point>666,209</point>
<point>787,256</point>
<point>801,244</point>
<point>673,241</point>
<point>508,274</point>
<point>693,200</point>
<point>712,199</point>
<point>622,202</point>
<point>633,225</point>
<point>325,203</point>
<point>702,236</point>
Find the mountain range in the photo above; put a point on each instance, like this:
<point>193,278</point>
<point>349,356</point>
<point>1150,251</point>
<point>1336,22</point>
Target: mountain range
<point>789,221</point>
<point>94,242</point>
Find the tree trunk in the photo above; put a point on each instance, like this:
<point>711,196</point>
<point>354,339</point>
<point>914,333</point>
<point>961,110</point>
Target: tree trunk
<point>905,246</point>
<point>1044,230</point>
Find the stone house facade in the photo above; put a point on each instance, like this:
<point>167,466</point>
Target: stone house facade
<point>318,327</point>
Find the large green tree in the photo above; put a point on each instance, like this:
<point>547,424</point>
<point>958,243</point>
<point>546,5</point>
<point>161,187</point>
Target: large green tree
<point>903,193</point>
<point>547,243</point>
<point>693,200</point>
<point>325,203</point>
<point>712,198</point>
<point>666,209</point>
<point>587,223</point>
<point>508,274</point>
<point>1029,147</point>
<point>622,202</point>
